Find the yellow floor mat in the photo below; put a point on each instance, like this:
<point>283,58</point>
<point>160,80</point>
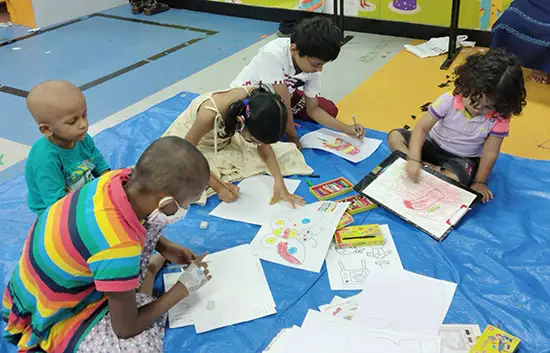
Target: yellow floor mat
<point>390,97</point>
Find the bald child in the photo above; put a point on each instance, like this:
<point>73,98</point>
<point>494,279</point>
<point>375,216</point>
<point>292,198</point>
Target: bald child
<point>65,158</point>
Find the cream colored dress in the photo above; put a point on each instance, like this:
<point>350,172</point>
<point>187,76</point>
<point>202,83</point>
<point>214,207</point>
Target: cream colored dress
<point>232,158</point>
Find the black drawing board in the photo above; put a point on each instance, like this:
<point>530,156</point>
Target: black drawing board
<point>378,170</point>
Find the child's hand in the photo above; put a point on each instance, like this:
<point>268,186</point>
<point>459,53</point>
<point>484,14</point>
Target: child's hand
<point>281,193</point>
<point>179,255</point>
<point>483,190</point>
<point>295,140</point>
<point>228,193</point>
<point>355,131</point>
<point>196,275</point>
<point>413,170</point>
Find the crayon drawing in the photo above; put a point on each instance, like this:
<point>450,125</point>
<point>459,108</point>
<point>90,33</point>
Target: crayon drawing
<point>429,203</point>
<point>340,145</point>
<point>300,238</point>
<point>349,268</point>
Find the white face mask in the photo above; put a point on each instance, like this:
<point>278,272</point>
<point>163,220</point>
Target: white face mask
<point>159,218</point>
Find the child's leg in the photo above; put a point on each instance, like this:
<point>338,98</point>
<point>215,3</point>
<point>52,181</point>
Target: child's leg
<point>299,111</point>
<point>461,169</point>
<point>398,140</point>
<point>155,265</point>
<point>102,338</point>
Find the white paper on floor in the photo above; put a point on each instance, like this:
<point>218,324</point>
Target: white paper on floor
<point>322,334</point>
<point>340,144</point>
<point>342,309</point>
<point>349,268</point>
<point>458,338</point>
<point>253,203</point>
<point>299,238</point>
<point>404,301</point>
<point>238,292</point>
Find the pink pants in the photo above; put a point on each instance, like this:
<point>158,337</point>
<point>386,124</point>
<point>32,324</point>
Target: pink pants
<point>298,103</point>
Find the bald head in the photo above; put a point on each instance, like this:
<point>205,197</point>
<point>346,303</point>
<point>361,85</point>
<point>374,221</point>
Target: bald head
<point>56,99</point>
<point>173,167</point>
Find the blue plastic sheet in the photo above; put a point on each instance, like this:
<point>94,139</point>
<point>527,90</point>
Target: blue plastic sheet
<point>499,255</point>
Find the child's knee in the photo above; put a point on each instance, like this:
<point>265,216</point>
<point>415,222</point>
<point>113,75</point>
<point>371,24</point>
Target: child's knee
<point>396,140</point>
<point>450,174</point>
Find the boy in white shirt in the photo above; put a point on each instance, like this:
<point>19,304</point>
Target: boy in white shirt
<point>293,66</point>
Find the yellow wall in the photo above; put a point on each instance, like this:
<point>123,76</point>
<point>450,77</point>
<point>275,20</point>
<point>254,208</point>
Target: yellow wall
<point>474,14</point>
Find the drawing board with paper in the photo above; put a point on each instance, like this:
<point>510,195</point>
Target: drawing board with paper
<point>300,238</point>
<point>348,268</point>
<point>253,204</point>
<point>434,204</point>
<point>340,144</point>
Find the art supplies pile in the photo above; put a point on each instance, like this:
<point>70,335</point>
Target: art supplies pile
<point>332,188</point>
<point>349,268</point>
<point>253,204</point>
<point>340,144</point>
<point>300,238</point>
<point>494,340</point>
<point>375,320</point>
<point>346,219</point>
<point>357,236</point>
<point>358,204</point>
<point>238,292</point>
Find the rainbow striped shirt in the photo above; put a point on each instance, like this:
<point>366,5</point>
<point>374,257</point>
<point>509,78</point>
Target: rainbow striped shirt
<point>87,243</point>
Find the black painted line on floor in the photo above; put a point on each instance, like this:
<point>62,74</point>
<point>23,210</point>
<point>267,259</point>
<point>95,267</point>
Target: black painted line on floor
<point>45,30</point>
<point>22,93</point>
<point>137,20</point>
<point>14,91</point>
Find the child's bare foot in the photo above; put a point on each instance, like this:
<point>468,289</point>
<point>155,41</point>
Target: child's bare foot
<point>155,265</point>
<point>540,77</point>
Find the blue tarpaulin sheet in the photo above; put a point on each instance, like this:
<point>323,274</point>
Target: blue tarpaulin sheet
<point>499,255</point>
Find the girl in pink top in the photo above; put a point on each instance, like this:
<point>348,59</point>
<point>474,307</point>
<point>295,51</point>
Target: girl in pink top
<point>462,133</point>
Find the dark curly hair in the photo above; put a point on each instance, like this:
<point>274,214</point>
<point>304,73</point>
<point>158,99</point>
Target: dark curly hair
<point>496,75</point>
<point>317,37</point>
<point>265,112</point>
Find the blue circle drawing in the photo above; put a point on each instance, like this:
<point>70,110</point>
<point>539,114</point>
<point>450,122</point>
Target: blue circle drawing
<point>292,250</point>
<point>306,221</point>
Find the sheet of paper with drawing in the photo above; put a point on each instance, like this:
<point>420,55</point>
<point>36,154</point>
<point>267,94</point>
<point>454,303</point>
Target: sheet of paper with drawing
<point>253,203</point>
<point>340,144</point>
<point>349,268</point>
<point>433,204</point>
<point>322,334</point>
<point>299,238</point>
<point>238,292</point>
<point>404,301</point>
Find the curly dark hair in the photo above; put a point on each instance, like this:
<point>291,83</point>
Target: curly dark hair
<point>496,75</point>
<point>317,37</point>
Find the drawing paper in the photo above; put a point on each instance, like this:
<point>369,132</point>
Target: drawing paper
<point>238,292</point>
<point>299,238</point>
<point>349,268</point>
<point>340,144</point>
<point>400,300</point>
<point>321,334</point>
<point>429,204</point>
<point>253,203</point>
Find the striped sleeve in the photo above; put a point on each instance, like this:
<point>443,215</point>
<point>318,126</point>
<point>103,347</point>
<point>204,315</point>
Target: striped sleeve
<point>501,128</point>
<point>116,269</point>
<point>442,106</point>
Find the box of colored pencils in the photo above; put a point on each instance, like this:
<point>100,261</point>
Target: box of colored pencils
<point>494,340</point>
<point>331,188</point>
<point>346,220</point>
<point>358,204</point>
<point>365,235</point>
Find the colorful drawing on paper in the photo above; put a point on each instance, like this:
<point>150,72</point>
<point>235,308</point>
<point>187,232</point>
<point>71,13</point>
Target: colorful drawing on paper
<point>404,7</point>
<point>349,268</point>
<point>300,239</point>
<point>429,203</point>
<point>340,145</point>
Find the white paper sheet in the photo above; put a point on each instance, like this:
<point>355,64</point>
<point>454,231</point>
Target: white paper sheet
<point>404,301</point>
<point>299,238</point>
<point>349,268</point>
<point>238,292</point>
<point>335,300</point>
<point>340,144</point>
<point>429,203</point>
<point>253,203</point>
<point>458,338</point>
<point>344,309</point>
<point>321,334</point>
